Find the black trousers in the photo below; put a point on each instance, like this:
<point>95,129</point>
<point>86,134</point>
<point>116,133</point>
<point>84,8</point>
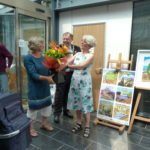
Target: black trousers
<point>61,95</point>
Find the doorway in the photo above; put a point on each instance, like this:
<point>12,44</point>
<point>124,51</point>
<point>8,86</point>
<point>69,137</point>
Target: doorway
<point>19,22</point>
<point>28,27</point>
<point>98,31</point>
<point>7,38</point>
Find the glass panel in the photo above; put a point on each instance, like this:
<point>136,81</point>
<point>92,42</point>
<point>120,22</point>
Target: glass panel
<point>28,27</point>
<point>7,37</point>
<point>43,2</point>
<point>141,40</point>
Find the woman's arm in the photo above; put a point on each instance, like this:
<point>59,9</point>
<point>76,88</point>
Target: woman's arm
<point>30,68</point>
<point>48,78</point>
<point>70,61</point>
<point>83,64</point>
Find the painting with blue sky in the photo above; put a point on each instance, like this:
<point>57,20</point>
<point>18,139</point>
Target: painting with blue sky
<point>146,70</point>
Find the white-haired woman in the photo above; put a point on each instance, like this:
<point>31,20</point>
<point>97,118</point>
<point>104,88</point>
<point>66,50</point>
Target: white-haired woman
<point>80,96</point>
<point>38,85</point>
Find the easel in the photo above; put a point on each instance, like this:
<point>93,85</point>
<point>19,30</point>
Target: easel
<point>118,62</point>
<point>135,109</point>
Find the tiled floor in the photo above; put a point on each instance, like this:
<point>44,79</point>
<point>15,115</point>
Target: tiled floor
<point>101,138</point>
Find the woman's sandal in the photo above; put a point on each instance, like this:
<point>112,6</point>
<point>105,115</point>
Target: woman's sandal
<point>76,128</point>
<point>47,127</point>
<point>33,133</point>
<point>86,132</point>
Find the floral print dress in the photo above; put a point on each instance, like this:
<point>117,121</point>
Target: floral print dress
<point>80,93</point>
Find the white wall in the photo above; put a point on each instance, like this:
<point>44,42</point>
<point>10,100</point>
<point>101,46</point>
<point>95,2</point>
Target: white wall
<point>118,20</point>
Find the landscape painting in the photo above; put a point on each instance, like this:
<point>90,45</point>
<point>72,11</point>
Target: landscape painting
<point>124,95</point>
<point>126,78</point>
<point>142,76</point>
<point>107,92</point>
<point>146,70</point>
<point>105,108</point>
<point>109,76</point>
<point>121,112</point>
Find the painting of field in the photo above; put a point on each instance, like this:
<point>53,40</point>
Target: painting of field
<point>109,76</point>
<point>105,108</point>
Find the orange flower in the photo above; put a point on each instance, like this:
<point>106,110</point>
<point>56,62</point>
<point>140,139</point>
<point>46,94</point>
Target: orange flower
<point>53,45</point>
<point>61,50</point>
<point>65,48</point>
<point>55,56</point>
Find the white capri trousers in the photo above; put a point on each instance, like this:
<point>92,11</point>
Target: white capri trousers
<point>45,112</point>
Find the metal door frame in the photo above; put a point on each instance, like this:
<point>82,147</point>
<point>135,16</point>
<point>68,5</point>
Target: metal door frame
<point>31,9</point>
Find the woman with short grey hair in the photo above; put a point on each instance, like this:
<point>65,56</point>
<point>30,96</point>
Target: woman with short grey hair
<point>39,98</point>
<point>80,96</point>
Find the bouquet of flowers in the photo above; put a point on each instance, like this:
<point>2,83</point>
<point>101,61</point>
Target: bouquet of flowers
<point>54,57</point>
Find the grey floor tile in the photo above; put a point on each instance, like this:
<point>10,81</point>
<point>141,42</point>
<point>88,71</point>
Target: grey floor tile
<point>127,146</point>
<point>67,148</point>
<point>139,124</point>
<point>32,147</point>
<point>141,131</point>
<point>72,140</point>
<point>124,137</point>
<point>145,142</point>
<point>148,126</point>
<point>63,126</point>
<point>45,143</point>
<point>101,137</point>
<point>97,146</point>
<point>98,136</point>
<point>42,131</point>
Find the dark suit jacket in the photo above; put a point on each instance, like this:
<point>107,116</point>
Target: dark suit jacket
<point>75,49</point>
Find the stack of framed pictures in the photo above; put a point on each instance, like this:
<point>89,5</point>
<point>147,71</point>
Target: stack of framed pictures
<point>116,94</point>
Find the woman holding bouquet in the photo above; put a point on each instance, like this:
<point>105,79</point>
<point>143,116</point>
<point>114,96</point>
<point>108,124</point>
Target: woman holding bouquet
<point>80,96</point>
<point>38,85</point>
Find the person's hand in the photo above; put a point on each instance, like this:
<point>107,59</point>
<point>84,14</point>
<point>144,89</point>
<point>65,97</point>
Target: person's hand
<point>62,66</point>
<point>50,79</point>
<point>7,70</point>
<point>70,66</point>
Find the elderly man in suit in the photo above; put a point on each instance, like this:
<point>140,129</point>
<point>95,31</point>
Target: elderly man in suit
<point>62,89</point>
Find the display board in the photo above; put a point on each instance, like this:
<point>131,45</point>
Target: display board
<point>116,94</point>
<point>142,78</point>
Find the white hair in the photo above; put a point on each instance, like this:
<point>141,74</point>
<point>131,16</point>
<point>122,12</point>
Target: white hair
<point>90,40</point>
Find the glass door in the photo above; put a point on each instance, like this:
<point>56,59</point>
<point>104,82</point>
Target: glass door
<point>8,38</point>
<point>28,27</point>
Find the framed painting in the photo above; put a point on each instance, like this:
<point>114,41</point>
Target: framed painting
<point>116,95</point>
<point>142,77</point>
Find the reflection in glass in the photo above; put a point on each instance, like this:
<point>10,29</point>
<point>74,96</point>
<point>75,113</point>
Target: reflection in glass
<point>7,37</point>
<point>42,2</point>
<point>28,27</point>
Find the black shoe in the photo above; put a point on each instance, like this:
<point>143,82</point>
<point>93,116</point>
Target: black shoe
<point>68,114</point>
<point>56,119</point>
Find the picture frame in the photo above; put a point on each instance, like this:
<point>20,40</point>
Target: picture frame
<point>116,95</point>
<point>142,77</point>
